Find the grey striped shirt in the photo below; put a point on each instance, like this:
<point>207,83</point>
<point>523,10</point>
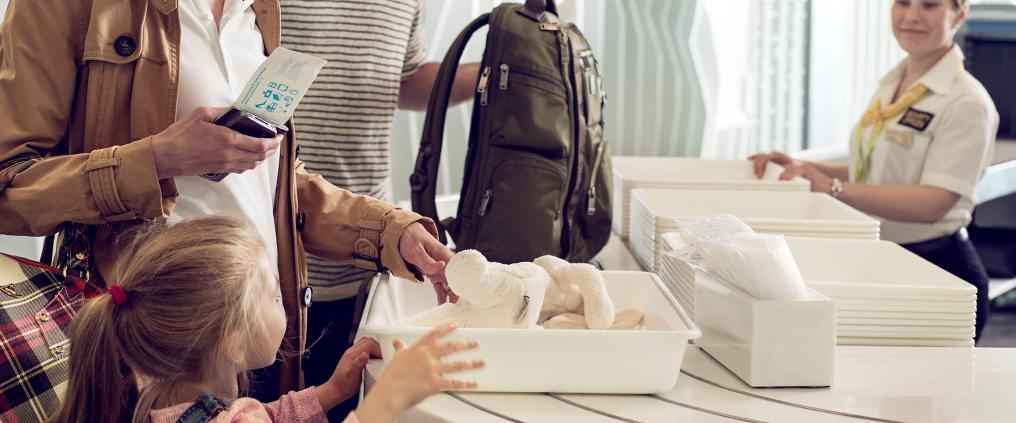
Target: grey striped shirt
<point>344,121</point>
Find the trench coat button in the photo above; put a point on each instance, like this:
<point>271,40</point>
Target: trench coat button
<point>125,45</point>
<point>301,218</point>
<point>308,296</point>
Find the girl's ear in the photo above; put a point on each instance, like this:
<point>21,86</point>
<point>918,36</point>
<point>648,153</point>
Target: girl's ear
<point>232,349</point>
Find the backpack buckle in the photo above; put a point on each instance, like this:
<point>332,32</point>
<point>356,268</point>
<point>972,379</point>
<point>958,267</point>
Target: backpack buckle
<point>417,182</point>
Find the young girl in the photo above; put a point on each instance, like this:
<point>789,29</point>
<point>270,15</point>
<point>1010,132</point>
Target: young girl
<point>197,305</point>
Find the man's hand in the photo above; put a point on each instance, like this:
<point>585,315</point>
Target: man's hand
<point>420,249</point>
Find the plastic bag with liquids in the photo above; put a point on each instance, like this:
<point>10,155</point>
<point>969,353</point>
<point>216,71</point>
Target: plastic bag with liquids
<point>759,264</point>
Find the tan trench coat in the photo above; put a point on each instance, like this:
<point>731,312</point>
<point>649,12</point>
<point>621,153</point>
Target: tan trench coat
<point>78,108</point>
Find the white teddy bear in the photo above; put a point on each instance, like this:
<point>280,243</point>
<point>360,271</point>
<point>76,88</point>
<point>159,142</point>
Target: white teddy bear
<point>520,295</point>
<point>491,295</point>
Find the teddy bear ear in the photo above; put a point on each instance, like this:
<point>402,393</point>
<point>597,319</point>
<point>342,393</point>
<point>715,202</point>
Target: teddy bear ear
<point>467,265</point>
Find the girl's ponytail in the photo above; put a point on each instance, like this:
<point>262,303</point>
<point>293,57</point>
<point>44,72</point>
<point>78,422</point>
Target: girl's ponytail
<point>98,381</point>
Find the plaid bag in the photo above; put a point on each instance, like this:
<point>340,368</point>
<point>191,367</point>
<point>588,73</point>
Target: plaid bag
<point>34,314</point>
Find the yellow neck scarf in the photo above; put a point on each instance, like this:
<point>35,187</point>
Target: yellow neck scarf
<point>878,117</point>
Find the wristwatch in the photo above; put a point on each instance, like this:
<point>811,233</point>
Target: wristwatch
<point>835,188</point>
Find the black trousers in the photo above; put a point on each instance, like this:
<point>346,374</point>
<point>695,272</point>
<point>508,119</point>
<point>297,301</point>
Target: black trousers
<point>329,326</point>
<point>955,253</point>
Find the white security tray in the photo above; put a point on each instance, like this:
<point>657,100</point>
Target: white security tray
<point>689,173</point>
<point>538,360</point>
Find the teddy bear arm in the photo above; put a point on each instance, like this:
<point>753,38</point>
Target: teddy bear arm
<point>596,304</point>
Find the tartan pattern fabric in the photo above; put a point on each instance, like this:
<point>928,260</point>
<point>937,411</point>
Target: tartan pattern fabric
<point>34,349</point>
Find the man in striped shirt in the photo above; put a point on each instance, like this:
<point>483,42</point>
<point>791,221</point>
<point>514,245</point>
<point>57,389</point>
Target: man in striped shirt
<point>376,58</point>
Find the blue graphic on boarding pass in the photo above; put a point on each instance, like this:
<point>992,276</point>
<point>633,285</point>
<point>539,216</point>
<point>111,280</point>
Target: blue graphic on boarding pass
<point>278,85</point>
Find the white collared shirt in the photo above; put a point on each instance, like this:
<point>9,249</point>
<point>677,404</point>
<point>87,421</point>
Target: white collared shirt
<point>951,151</point>
<point>215,63</point>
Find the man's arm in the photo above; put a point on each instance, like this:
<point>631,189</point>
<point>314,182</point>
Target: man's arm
<point>414,92</point>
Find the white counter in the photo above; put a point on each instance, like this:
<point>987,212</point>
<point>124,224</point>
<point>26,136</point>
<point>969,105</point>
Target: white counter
<point>894,384</point>
<point>904,384</point>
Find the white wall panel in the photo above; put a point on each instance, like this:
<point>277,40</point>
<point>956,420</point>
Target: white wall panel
<point>852,46</point>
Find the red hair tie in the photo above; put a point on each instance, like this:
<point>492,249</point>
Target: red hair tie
<point>118,294</point>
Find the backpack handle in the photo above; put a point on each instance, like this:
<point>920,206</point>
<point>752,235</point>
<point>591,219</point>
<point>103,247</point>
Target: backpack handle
<point>533,9</point>
<point>424,178</point>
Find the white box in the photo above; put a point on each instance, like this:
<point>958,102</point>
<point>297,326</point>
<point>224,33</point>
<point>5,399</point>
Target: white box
<point>689,173</point>
<point>537,360</point>
<point>767,343</point>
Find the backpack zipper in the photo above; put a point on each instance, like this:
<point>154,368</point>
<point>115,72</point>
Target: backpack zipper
<point>503,82</point>
<point>481,87</point>
<point>485,202</point>
<point>591,195</point>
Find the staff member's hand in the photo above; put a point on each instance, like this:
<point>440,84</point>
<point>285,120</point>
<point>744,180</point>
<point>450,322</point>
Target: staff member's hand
<point>194,145</point>
<point>820,182</point>
<point>419,248</point>
<point>761,159</point>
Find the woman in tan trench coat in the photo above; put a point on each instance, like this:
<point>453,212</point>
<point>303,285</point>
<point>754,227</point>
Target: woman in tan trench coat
<point>90,140</point>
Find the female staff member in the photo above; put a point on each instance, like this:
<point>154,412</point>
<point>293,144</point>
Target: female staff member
<point>920,148</point>
<point>105,122</point>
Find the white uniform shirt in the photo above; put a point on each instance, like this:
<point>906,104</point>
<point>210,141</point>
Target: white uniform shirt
<point>214,66</point>
<point>951,152</point>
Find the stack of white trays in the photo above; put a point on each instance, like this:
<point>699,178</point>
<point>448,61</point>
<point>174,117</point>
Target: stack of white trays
<point>679,277</point>
<point>689,173</point>
<point>885,295</point>
<point>657,211</point>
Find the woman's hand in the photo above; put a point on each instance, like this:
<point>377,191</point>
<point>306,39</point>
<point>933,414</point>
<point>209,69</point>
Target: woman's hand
<point>194,146</point>
<point>345,381</point>
<point>416,373</point>
<point>419,248</point>
<point>760,160</point>
<point>820,182</point>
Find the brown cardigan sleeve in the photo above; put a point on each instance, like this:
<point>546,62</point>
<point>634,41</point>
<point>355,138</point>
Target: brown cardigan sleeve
<point>339,224</point>
<point>40,66</point>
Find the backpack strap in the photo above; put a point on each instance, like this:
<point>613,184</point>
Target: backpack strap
<point>204,409</point>
<point>424,178</point>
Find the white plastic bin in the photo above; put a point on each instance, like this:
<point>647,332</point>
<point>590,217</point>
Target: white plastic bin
<point>573,361</point>
<point>689,173</point>
<point>656,211</point>
<point>767,343</point>
<point>874,269</point>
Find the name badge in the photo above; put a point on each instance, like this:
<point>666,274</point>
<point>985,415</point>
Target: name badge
<point>899,137</point>
<point>916,119</point>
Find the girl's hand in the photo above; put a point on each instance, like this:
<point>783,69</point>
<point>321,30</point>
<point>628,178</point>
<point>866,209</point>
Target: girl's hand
<point>416,373</point>
<point>761,159</point>
<point>345,381</point>
<point>194,145</point>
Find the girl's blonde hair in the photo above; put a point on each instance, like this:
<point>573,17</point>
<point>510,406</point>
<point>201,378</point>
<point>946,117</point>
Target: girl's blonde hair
<point>189,287</point>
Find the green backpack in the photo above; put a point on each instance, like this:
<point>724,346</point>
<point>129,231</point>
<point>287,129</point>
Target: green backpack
<point>538,175</point>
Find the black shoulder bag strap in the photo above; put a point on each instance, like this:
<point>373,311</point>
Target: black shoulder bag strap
<point>424,178</point>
